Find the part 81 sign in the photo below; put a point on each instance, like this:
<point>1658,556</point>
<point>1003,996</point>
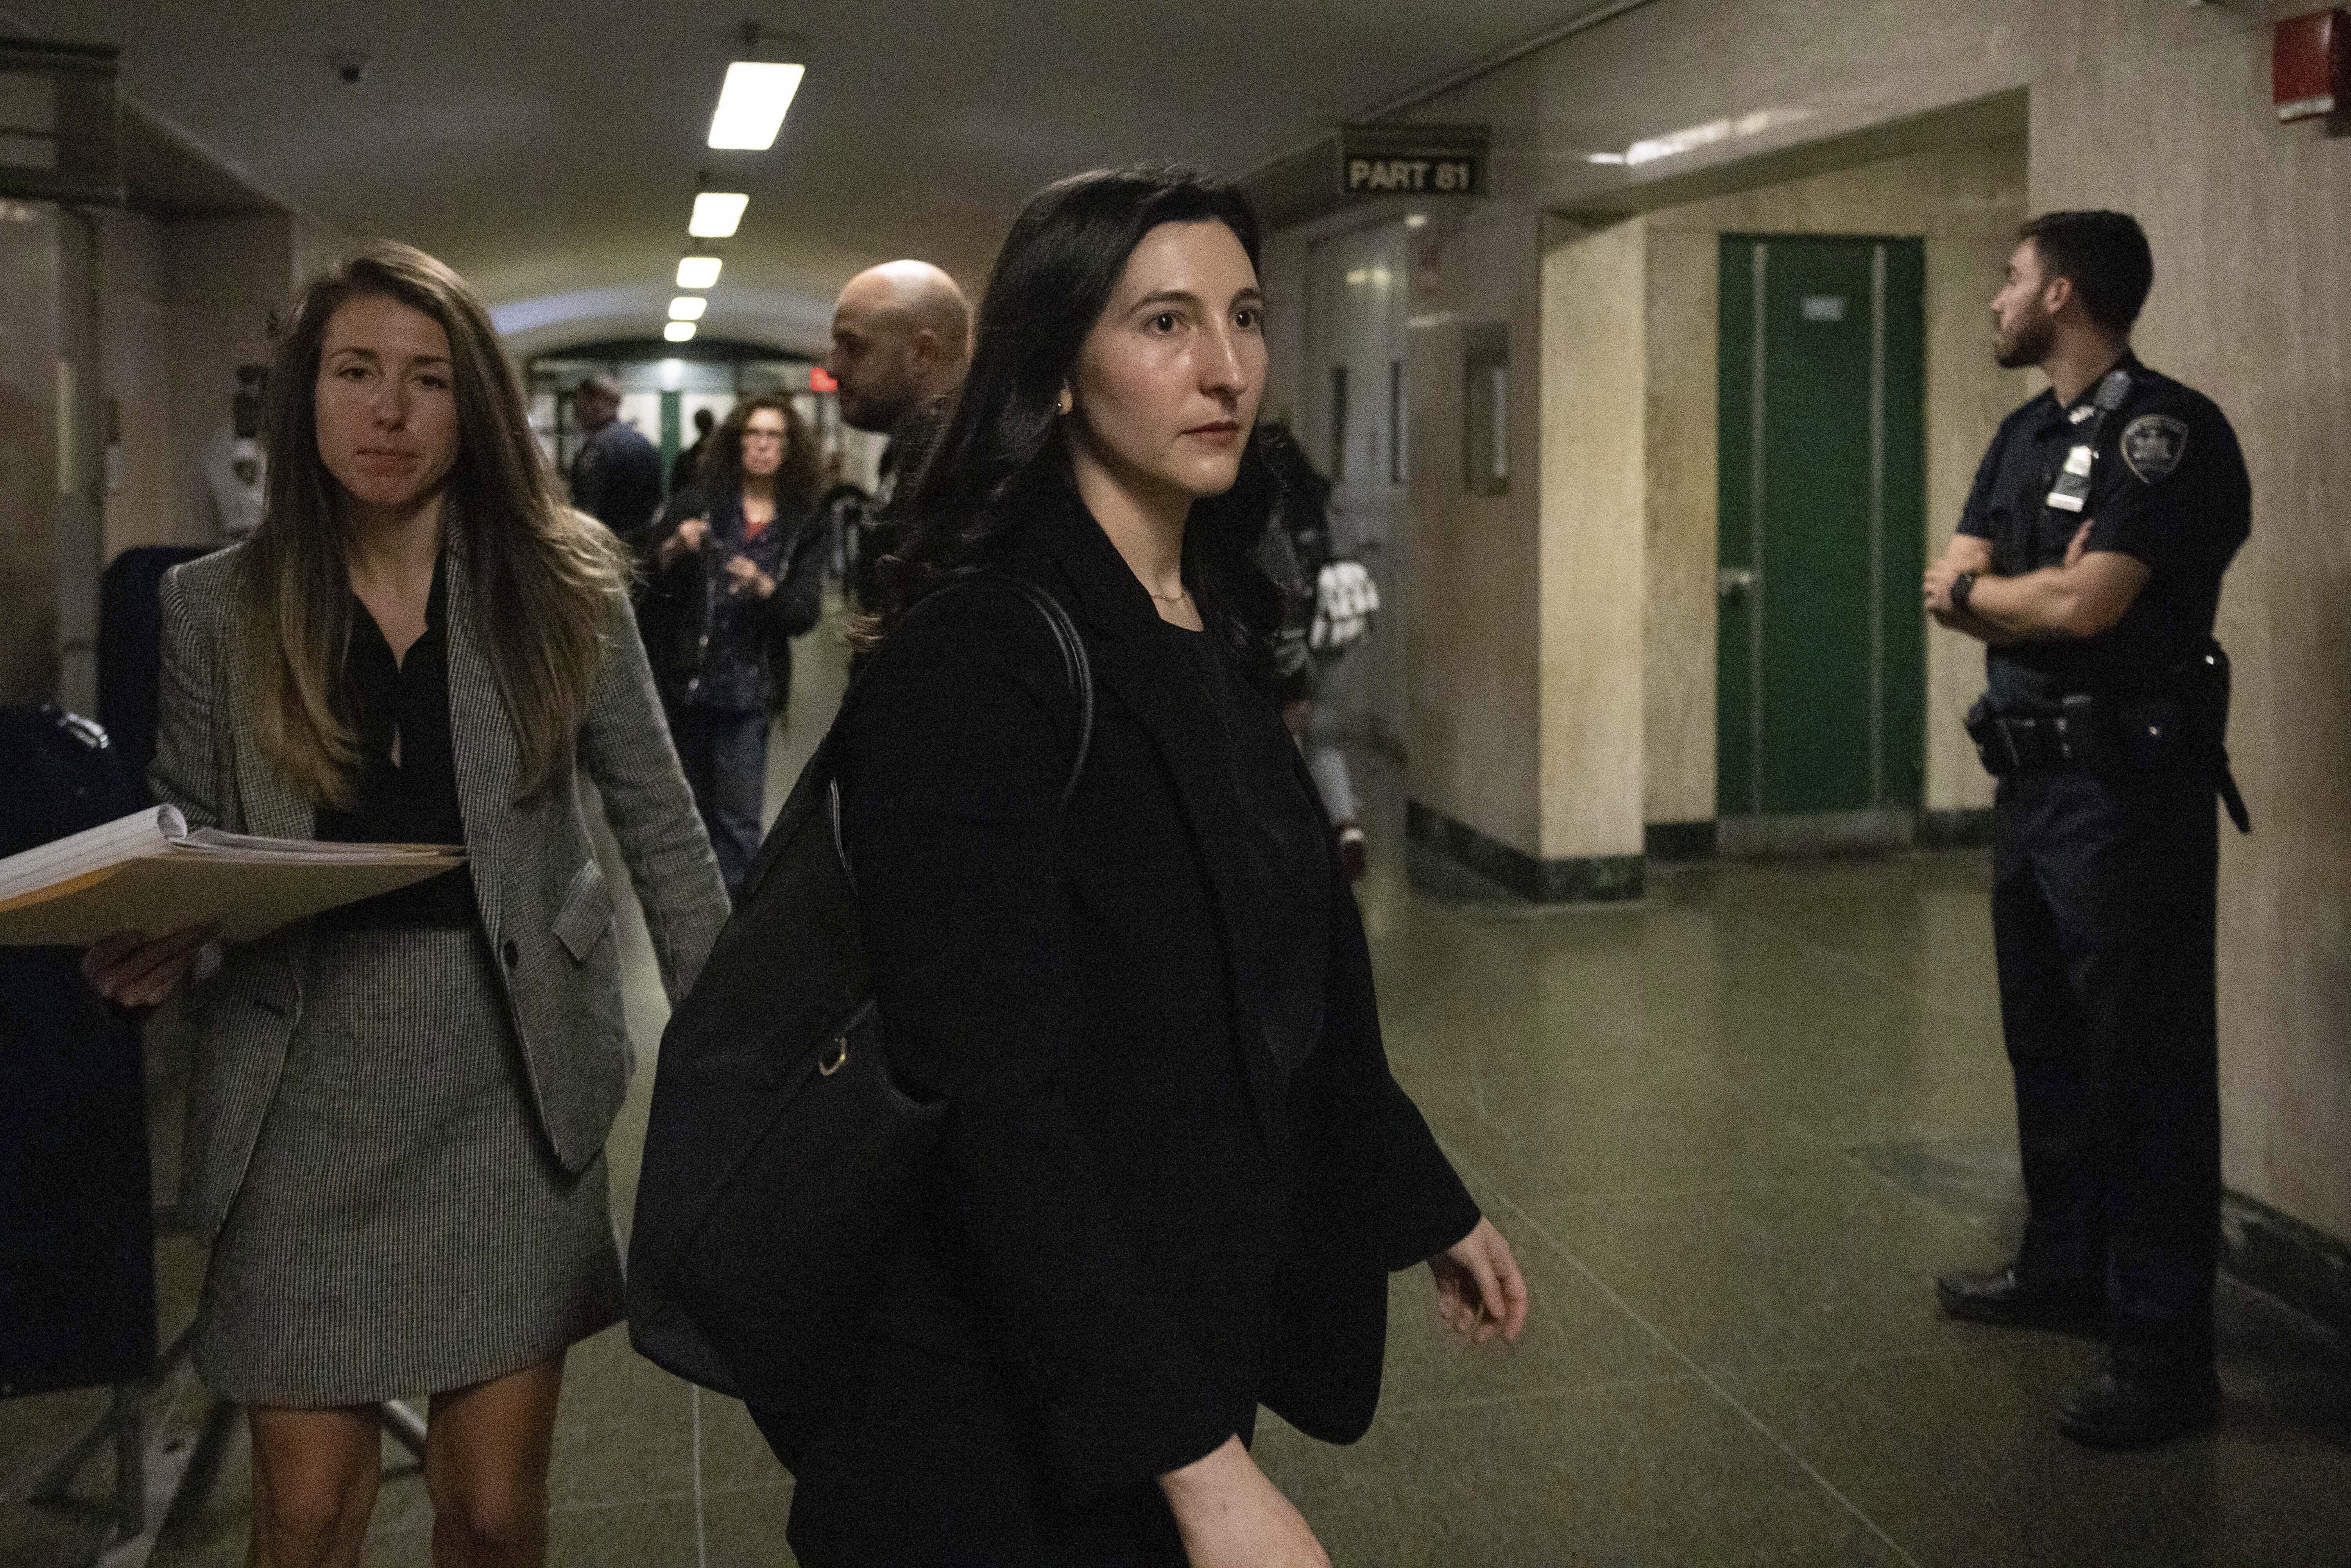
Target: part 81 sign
<point>1452,176</point>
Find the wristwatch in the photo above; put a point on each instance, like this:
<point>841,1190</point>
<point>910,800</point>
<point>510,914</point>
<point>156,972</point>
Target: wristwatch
<point>1961,586</point>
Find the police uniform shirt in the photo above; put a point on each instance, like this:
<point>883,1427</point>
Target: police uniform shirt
<point>2167,486</point>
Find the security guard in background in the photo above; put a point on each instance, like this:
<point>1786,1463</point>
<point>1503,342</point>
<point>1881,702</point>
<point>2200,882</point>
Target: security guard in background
<point>616,475</point>
<point>2089,562</point>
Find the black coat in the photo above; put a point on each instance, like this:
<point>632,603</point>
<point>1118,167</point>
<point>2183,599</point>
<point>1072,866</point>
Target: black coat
<point>616,478</point>
<point>1157,1213</point>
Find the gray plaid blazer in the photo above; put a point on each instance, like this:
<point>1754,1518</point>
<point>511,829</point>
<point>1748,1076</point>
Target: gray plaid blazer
<point>543,901</point>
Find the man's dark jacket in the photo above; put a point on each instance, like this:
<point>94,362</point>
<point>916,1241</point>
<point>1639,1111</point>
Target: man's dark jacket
<point>616,478</point>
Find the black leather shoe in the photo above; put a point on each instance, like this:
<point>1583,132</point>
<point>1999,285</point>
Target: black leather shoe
<point>1999,1296</point>
<point>2118,1409</point>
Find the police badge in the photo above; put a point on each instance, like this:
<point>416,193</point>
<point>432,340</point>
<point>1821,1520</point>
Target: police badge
<point>2153,444</point>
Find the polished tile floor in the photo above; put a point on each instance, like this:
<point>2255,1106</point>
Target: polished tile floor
<point>1733,1132</point>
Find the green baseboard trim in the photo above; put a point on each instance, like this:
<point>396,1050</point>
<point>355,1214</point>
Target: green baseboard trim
<point>1590,878</point>
<point>1680,841</point>
<point>2280,1256</point>
<point>1957,830</point>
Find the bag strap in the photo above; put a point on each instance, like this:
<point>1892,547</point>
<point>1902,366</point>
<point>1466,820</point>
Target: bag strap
<point>817,777</point>
<point>1076,669</point>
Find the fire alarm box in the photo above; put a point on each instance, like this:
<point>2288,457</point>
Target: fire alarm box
<point>2310,65</point>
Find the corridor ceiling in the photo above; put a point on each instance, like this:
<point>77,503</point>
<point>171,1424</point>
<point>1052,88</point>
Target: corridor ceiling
<point>550,152</point>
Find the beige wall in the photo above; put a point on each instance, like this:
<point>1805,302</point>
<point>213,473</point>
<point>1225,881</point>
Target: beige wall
<point>1594,501</point>
<point>142,492</point>
<point>2148,105</point>
<point>224,277</point>
<point>183,301</point>
<point>1966,202</point>
<point>144,317</point>
<point>1281,273</point>
<point>2250,222</point>
<point>1677,650</point>
<point>29,350</point>
<point>1473,622</point>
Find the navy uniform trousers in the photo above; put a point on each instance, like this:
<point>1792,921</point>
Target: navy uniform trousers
<point>2103,919</point>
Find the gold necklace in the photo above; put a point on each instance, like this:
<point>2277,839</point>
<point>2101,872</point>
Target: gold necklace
<point>1177,597</point>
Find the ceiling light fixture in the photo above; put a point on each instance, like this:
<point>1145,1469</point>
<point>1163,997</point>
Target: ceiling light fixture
<point>688,307</point>
<point>1674,144</point>
<point>679,332</point>
<point>716,213</point>
<point>698,271</point>
<point>752,105</point>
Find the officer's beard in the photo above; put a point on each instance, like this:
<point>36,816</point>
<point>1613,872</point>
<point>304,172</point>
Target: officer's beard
<point>2035,336</point>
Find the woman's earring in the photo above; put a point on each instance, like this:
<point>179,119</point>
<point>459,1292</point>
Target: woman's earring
<point>1066,404</point>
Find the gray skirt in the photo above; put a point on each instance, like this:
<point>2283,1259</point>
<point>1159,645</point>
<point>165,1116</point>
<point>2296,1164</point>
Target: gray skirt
<point>403,1228</point>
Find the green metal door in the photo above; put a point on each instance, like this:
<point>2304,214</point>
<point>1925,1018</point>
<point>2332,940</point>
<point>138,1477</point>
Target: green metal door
<point>1822,656</point>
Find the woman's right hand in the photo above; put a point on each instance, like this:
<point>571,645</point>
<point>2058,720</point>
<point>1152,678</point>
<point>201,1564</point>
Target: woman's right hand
<point>135,969</point>
<point>688,538</point>
<point>1230,1516</point>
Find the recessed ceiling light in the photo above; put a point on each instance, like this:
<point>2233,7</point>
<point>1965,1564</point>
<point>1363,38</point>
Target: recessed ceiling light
<point>697,271</point>
<point>716,213</point>
<point>751,105</point>
<point>688,307</point>
<point>679,332</point>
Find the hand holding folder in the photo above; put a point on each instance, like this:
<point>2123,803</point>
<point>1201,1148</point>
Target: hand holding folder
<point>148,871</point>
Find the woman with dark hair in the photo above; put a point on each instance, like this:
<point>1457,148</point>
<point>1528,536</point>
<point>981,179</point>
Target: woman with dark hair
<point>1176,1168</point>
<point>396,1121</point>
<point>734,572</point>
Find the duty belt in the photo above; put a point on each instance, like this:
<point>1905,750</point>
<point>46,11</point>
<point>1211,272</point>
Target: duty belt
<point>2058,742</point>
<point>2116,738</point>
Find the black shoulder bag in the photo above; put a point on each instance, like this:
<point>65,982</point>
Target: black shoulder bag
<point>781,1157</point>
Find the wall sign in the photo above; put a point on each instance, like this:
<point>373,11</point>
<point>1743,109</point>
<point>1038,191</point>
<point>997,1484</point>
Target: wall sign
<point>1412,176</point>
<point>1412,160</point>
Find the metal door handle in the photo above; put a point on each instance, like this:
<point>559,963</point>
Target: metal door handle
<point>1732,580</point>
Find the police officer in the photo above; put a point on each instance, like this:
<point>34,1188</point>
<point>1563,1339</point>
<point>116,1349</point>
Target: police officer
<point>2089,562</point>
<point>616,475</point>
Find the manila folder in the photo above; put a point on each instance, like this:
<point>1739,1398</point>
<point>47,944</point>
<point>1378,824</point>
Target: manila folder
<point>149,873</point>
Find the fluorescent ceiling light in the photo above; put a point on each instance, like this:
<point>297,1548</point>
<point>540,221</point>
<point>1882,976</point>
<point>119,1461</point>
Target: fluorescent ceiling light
<point>716,213</point>
<point>688,307</point>
<point>679,332</point>
<point>697,271</point>
<point>1691,138</point>
<point>751,105</point>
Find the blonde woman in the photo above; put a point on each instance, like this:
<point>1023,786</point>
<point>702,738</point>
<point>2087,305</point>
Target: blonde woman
<point>396,1123</point>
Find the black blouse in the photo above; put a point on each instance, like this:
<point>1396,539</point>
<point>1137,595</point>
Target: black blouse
<point>1285,921</point>
<point>414,800</point>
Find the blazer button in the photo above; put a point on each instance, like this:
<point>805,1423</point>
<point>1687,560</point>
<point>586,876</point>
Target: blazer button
<point>513,954</point>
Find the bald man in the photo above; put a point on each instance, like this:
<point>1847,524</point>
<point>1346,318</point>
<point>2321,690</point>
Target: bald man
<point>901,340</point>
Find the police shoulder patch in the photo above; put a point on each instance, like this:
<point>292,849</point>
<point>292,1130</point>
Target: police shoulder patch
<point>2153,444</point>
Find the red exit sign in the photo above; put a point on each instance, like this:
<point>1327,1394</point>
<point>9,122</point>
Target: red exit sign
<point>2310,65</point>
